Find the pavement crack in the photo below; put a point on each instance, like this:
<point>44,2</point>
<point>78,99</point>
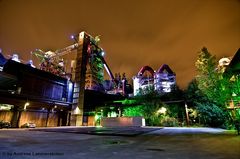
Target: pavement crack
<point>155,149</point>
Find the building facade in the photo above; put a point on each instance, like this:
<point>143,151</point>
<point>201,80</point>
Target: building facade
<point>28,94</point>
<point>163,80</point>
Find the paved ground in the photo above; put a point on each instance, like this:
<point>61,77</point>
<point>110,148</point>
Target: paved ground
<point>108,143</point>
<point>113,131</point>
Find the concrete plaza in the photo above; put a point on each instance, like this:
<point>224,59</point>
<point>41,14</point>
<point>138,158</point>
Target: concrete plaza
<point>119,143</point>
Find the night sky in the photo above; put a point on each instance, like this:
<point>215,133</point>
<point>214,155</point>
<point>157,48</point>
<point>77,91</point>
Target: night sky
<point>133,33</point>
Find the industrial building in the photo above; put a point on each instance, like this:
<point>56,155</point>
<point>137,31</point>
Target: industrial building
<point>163,80</point>
<point>64,90</point>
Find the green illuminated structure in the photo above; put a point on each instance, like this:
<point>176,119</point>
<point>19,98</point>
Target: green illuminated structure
<point>232,72</point>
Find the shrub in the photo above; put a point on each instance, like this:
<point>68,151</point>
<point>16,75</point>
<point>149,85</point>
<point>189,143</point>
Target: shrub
<point>169,121</point>
<point>211,114</point>
<point>133,111</point>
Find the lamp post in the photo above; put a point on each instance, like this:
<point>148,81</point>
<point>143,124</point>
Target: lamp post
<point>187,116</point>
<point>25,105</point>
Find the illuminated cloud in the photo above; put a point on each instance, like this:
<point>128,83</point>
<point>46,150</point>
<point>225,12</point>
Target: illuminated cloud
<point>133,33</point>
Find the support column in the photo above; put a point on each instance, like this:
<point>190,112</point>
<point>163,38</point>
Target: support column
<point>17,112</point>
<point>64,118</point>
<point>79,79</point>
<point>69,118</point>
<point>46,124</point>
<point>59,121</point>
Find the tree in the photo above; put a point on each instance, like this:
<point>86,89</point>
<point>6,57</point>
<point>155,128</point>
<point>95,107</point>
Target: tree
<point>209,113</point>
<point>207,77</point>
<point>210,81</point>
<point>174,95</point>
<point>193,94</point>
<point>209,91</point>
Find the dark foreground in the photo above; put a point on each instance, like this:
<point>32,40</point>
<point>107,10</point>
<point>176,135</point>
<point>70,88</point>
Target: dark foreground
<point>120,143</point>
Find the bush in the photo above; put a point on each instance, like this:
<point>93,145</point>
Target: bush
<point>211,114</point>
<point>147,111</point>
<point>153,120</point>
<point>133,111</point>
<point>169,122</point>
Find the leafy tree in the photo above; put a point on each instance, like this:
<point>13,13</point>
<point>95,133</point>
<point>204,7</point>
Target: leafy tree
<point>133,111</point>
<point>175,94</point>
<point>210,81</point>
<point>209,91</point>
<point>193,94</point>
<point>207,77</point>
<point>209,113</point>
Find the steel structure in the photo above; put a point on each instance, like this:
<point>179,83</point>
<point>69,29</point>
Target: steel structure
<point>87,68</point>
<point>161,80</point>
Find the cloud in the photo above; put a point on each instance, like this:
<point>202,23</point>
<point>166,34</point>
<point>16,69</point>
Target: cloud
<point>133,33</point>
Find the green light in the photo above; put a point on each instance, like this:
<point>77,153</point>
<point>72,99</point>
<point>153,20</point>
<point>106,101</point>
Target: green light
<point>162,110</point>
<point>97,117</point>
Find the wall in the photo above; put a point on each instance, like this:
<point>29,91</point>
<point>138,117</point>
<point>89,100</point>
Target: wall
<point>52,120</point>
<point>6,116</point>
<point>122,121</point>
<point>35,117</point>
<point>39,118</point>
<point>91,121</point>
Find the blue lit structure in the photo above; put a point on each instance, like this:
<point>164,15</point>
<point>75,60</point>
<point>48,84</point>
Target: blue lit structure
<point>163,80</point>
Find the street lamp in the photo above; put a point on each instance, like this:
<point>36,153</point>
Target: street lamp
<point>73,37</point>
<point>25,105</point>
